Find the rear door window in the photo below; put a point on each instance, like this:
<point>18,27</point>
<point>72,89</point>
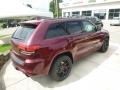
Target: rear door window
<point>74,27</point>
<point>56,30</point>
<point>23,33</point>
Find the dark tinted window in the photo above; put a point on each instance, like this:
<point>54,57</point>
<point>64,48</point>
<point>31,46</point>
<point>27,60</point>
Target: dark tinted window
<point>76,13</point>
<point>114,13</point>
<point>95,19</point>
<point>88,27</point>
<point>23,33</point>
<point>74,27</point>
<point>56,30</point>
<point>86,13</point>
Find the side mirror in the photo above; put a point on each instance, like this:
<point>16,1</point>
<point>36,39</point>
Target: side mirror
<point>98,22</point>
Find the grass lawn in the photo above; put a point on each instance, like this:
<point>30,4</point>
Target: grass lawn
<point>4,48</point>
<point>1,25</point>
<point>2,36</point>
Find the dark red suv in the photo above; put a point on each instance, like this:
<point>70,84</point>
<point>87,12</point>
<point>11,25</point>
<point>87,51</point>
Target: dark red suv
<point>50,46</point>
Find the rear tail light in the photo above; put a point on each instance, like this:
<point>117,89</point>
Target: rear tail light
<point>28,50</point>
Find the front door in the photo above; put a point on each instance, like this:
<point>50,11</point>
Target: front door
<point>79,40</point>
<point>92,36</point>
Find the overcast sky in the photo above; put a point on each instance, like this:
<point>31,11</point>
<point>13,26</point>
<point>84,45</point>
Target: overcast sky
<point>39,4</point>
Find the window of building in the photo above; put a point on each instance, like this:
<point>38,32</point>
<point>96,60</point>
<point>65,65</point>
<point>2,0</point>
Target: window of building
<point>114,13</point>
<point>86,13</point>
<point>74,27</point>
<point>56,30</point>
<point>66,14</point>
<point>76,13</point>
<point>100,13</point>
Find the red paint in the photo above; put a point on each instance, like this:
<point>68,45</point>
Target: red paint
<point>45,50</point>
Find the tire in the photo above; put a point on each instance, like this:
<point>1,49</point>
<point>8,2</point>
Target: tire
<point>61,68</point>
<point>105,45</point>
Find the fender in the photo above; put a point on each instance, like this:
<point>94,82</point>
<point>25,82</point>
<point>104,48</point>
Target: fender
<point>57,54</point>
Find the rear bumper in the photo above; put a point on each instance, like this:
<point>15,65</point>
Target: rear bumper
<point>25,71</point>
<point>30,67</point>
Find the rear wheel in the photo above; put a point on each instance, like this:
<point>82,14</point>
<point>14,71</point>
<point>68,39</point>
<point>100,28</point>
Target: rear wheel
<point>61,68</point>
<point>105,45</point>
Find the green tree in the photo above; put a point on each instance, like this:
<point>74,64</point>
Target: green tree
<point>54,7</point>
<point>92,0</point>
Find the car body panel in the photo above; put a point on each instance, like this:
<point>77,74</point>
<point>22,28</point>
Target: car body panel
<point>78,44</point>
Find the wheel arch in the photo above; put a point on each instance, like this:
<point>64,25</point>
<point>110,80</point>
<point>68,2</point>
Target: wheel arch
<point>64,53</point>
<point>68,53</point>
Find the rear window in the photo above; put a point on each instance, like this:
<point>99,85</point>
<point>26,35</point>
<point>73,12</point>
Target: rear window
<point>23,33</point>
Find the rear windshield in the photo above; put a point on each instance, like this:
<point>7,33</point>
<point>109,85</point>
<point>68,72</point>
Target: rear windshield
<point>23,33</point>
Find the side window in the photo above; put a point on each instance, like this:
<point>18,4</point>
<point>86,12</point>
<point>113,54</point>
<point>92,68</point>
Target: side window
<point>88,27</point>
<point>97,19</point>
<point>74,27</point>
<point>93,20</point>
<point>56,30</point>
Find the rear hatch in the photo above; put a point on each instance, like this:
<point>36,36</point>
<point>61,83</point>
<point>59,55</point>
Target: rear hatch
<point>20,39</point>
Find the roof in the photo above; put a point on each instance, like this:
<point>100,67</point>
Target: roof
<point>50,20</point>
<point>37,22</point>
<point>82,3</point>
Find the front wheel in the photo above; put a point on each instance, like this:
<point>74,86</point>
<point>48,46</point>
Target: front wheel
<point>61,68</point>
<point>105,45</point>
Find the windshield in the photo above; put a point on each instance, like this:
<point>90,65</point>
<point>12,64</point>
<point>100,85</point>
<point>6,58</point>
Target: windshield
<point>23,33</point>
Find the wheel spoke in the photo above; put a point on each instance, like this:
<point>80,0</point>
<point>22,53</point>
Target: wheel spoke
<point>63,68</point>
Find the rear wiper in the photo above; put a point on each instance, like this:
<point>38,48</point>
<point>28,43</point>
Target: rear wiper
<point>16,38</point>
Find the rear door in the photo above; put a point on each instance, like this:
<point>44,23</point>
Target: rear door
<point>55,40</point>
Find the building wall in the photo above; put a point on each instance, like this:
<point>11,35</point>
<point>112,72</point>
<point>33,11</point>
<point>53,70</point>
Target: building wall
<point>94,7</point>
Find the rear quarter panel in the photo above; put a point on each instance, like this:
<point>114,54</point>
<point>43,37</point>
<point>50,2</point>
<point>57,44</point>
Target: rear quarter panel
<point>50,48</point>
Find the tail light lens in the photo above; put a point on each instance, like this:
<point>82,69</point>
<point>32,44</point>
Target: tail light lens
<point>28,50</point>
